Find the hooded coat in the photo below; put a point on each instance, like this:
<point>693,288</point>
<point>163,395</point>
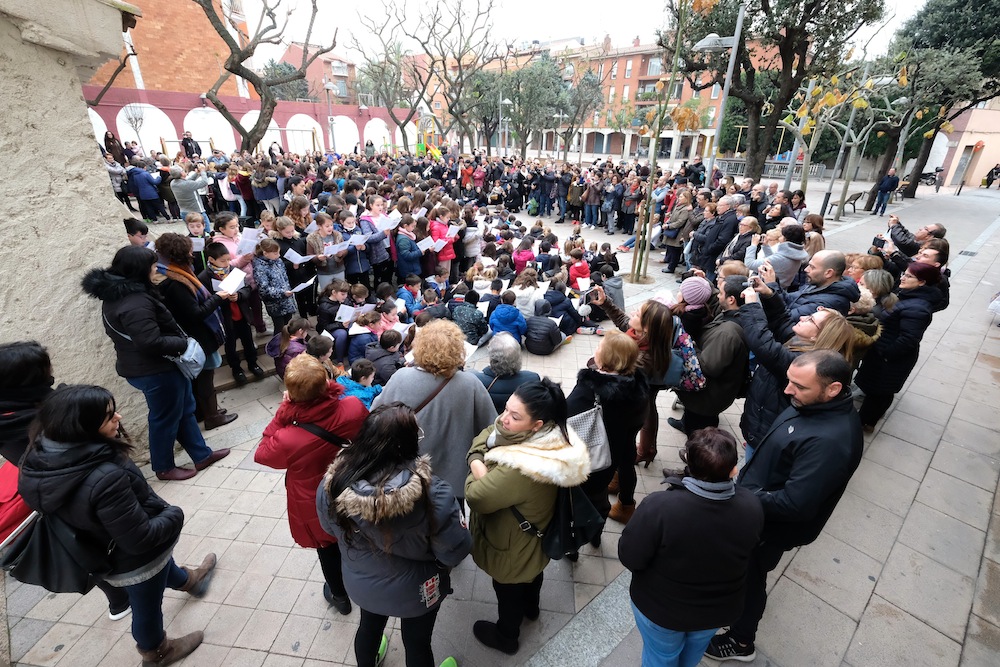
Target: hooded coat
<point>542,336</point>
<point>305,457</point>
<point>724,360</point>
<point>508,318</point>
<point>527,476</point>
<point>408,534</point>
<point>893,356</point>
<point>562,306</point>
<point>133,309</point>
<point>838,296</point>
<point>785,259</point>
<point>386,363</point>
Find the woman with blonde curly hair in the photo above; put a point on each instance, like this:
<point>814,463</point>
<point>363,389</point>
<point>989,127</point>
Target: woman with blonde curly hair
<point>452,405</point>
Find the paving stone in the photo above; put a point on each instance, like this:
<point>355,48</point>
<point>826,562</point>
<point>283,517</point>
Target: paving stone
<point>52,606</point>
<point>971,436</point>
<point>864,525</point>
<point>899,455</point>
<point>886,488</point>
<point>914,430</point>
<point>798,628</point>
<point>195,615</point>
<point>281,595</point>
<point>276,660</point>
<point>296,636</point>
<point>992,550</point>
<point>987,601</point>
<point>967,465</point>
<point>935,594</point>
<point>90,650</point>
<point>260,631</point>
<point>887,635</point>
<point>836,573</point>
<point>56,643</point>
<point>249,590</point>
<point>976,412</point>
<point>26,633</point>
<point>332,640</point>
<point>945,539</point>
<point>956,498</point>
<point>919,406</point>
<point>227,624</point>
<point>982,644</point>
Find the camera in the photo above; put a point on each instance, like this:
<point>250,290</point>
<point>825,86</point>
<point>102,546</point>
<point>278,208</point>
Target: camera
<point>878,243</point>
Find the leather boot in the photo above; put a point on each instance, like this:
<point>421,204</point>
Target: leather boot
<point>198,580</point>
<point>613,487</point>
<point>621,513</point>
<point>172,650</point>
<point>219,419</point>
<point>489,635</point>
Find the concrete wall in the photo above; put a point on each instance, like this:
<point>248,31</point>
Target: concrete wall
<point>58,216</point>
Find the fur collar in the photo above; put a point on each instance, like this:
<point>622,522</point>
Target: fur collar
<point>106,286</point>
<point>395,498</point>
<point>625,388</point>
<point>546,458</point>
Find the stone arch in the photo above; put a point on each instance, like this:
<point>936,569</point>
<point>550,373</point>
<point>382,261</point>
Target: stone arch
<point>378,133</point>
<point>209,126</point>
<point>156,125</point>
<point>98,124</point>
<point>345,134</point>
<point>300,130</point>
<point>271,135</point>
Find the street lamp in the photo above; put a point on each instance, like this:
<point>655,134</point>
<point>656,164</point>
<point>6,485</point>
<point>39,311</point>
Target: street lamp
<point>500,137</point>
<point>559,117</point>
<point>330,86</point>
<point>715,44</point>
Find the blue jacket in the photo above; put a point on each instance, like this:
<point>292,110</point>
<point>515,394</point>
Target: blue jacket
<point>407,256</point>
<point>377,252</point>
<point>413,304</point>
<point>355,261</point>
<point>358,343</point>
<point>838,295</point>
<point>364,394</point>
<point>508,318</point>
<point>144,183</point>
<point>562,306</point>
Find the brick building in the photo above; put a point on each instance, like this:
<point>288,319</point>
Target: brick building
<point>330,68</point>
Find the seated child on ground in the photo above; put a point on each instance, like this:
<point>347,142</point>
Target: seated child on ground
<point>360,382</point>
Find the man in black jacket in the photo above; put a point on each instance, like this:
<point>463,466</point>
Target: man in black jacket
<point>799,473</point>
<point>886,187</point>
<point>713,239</point>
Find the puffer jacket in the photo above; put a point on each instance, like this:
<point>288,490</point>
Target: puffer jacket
<point>407,534</point>
<point>471,321</point>
<point>407,257</point>
<point>272,283</point>
<point>838,296</point>
<point>525,476</point>
<point>133,309</point>
<point>386,363</point>
<point>508,318</point>
<point>892,357</point>
<point>542,336</point>
<point>766,395</point>
<point>101,493</point>
<point>305,457</point>
<point>562,307</point>
<point>282,359</point>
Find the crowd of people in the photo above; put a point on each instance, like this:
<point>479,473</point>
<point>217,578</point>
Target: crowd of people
<point>379,276</point>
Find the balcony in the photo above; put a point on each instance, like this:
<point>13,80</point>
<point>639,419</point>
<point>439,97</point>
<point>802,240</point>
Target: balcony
<point>338,69</point>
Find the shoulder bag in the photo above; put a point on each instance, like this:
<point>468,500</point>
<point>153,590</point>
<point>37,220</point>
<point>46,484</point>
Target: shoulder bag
<point>322,433</point>
<point>575,522</point>
<point>589,427</point>
<point>190,362</point>
<point>685,371</point>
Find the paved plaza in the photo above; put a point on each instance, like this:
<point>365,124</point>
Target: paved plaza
<point>907,571</point>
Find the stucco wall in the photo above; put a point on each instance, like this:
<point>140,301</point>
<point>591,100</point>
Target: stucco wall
<point>58,215</point>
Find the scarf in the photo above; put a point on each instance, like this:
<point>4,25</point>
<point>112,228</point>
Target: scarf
<point>409,235</point>
<point>710,490</point>
<point>643,344</point>
<point>213,320</point>
<point>501,437</point>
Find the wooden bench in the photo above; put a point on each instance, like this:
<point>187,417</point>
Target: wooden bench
<point>853,200</point>
<point>898,194</point>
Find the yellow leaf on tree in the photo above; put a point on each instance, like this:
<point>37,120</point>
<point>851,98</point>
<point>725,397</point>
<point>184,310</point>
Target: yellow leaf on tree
<point>789,119</point>
<point>942,112</point>
<point>947,127</point>
<point>803,111</point>
<point>860,103</point>
<point>816,91</point>
<point>659,86</point>
<point>919,114</point>
<point>902,81</point>
<point>850,53</point>
<point>928,134</point>
<point>650,115</point>
<point>880,134</point>
<point>829,99</point>
<point>835,79</point>
<point>869,84</point>
<point>643,130</point>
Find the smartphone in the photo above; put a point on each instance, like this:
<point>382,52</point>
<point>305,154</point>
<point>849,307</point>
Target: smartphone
<point>878,243</point>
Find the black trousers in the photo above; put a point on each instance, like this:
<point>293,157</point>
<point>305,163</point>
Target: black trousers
<point>416,632</point>
<point>513,600</point>
<point>694,422</point>
<point>329,562</point>
<point>239,329</point>
<point>763,559</point>
<point>124,198</point>
<point>117,597</point>
<point>874,407</point>
<point>384,272</point>
<point>672,257</point>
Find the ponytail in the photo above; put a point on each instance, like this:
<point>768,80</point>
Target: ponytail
<point>293,325</point>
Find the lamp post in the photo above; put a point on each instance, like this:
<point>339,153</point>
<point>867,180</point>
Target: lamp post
<point>559,118</point>
<point>713,44</point>
<point>329,86</point>
<point>500,125</point>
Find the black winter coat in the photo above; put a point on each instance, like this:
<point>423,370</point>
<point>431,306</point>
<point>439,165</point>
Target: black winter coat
<point>562,306</point>
<point>802,467</point>
<point>102,493</point>
<point>542,336</point>
<point>766,396</point>
<point>838,296</point>
<point>890,360</point>
<point>712,239</point>
<point>189,314</point>
<point>501,388</point>
<point>136,311</point>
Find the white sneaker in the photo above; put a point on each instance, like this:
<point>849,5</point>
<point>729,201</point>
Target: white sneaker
<point>120,615</point>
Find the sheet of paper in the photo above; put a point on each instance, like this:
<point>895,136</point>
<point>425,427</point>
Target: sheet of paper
<point>557,320</point>
<point>487,261</point>
<point>353,208</point>
<point>395,214</point>
<point>543,287</point>
<point>402,327</point>
<point>453,230</point>
<point>584,284</point>
<point>233,282</point>
<point>408,357</point>
<point>333,249</point>
<point>327,334</point>
<point>345,314</point>
<point>401,306</point>
<point>357,239</point>
<point>312,227</point>
<point>439,244</point>
<point>151,245</point>
<point>420,213</point>
<point>197,244</point>
<point>425,244</point>
<point>385,223</point>
<point>296,258</point>
<point>248,241</point>
<point>484,307</point>
<point>216,284</point>
<point>469,350</point>
<point>367,308</point>
<point>357,329</point>
<point>305,285</point>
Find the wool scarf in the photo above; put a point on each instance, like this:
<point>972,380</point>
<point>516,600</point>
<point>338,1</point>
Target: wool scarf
<point>501,437</point>
<point>710,490</point>
<point>213,320</point>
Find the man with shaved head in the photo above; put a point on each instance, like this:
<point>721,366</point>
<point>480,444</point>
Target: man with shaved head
<point>827,287</point>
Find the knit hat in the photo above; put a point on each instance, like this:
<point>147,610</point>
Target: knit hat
<point>696,292</point>
<point>930,275</point>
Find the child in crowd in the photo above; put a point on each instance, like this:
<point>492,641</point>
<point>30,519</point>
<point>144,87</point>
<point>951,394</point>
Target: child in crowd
<point>409,292</point>
<point>333,296</point>
<point>328,267</point>
<point>383,293</point>
<point>236,316</point>
<point>267,220</point>
<point>390,314</point>
<point>471,320</point>
<point>506,317</point>
<point>523,254</point>
<point>196,230</point>
<point>272,283</point>
<point>287,345</point>
<point>288,238</point>
<point>591,252</point>
<point>433,306</point>
<point>358,295</point>
<point>542,335</point>
<point>492,297</point>
<point>386,355</point>
<point>137,232</point>
<point>366,329</point>
<point>359,382</point>
<point>439,281</point>
<point>578,269</point>
<point>606,257</point>
<point>321,347</point>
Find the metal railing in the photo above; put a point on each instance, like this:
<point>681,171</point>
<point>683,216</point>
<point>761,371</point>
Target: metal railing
<point>772,169</point>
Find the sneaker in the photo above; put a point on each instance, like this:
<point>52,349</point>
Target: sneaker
<point>724,647</point>
<point>341,604</point>
<point>449,662</point>
<point>383,648</point>
<point>587,331</point>
<point>566,340</point>
<point>676,423</point>
<point>117,615</point>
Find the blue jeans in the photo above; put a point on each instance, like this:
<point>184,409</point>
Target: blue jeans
<point>544,204</point>
<point>669,648</point>
<point>171,418</point>
<point>147,605</point>
<point>881,201</point>
<point>590,213</point>
<point>562,207</point>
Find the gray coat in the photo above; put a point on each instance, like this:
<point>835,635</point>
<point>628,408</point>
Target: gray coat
<point>397,560</point>
<point>786,260</point>
<point>186,191</point>
<point>450,421</point>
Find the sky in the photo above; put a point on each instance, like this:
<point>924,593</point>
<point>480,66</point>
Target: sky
<point>524,21</point>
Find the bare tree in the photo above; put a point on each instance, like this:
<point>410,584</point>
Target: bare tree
<point>135,115</point>
<point>393,75</point>
<point>455,36</point>
<point>242,47</point>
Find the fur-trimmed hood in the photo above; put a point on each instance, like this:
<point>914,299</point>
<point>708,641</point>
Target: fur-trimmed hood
<point>394,498</point>
<point>106,286</point>
<point>546,458</point>
<point>614,388</point>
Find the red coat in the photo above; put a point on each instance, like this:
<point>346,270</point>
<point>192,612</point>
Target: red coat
<point>576,271</point>
<point>439,230</point>
<point>306,457</point>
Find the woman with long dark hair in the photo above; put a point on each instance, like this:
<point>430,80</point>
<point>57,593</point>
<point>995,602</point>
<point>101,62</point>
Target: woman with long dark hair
<point>400,531</point>
<point>78,469</point>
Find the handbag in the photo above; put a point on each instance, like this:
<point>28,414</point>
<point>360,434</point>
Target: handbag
<point>606,206</point>
<point>671,233</point>
<point>684,371</point>
<point>589,427</point>
<point>575,522</point>
<point>50,553</point>
<point>190,362</point>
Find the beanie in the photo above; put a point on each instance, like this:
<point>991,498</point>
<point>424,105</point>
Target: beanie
<point>696,292</point>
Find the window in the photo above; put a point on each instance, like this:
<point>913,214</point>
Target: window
<point>597,118</point>
<point>611,95</point>
<point>338,68</point>
<point>678,89</point>
<point>600,71</point>
<point>716,91</point>
<point>628,71</point>
<point>614,70</point>
<point>340,88</point>
<point>610,116</point>
<point>711,115</point>
<point>437,105</point>
<point>695,93</point>
<point>625,92</point>
<point>655,67</point>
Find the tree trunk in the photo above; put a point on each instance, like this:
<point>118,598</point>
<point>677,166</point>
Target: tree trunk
<point>256,133</point>
<point>918,167</point>
<point>849,169</point>
<point>887,159</point>
<point>758,143</point>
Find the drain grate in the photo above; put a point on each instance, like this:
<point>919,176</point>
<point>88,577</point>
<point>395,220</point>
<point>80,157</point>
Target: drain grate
<point>969,253</point>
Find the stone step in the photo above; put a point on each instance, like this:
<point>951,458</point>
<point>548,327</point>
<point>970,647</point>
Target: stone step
<point>224,377</point>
